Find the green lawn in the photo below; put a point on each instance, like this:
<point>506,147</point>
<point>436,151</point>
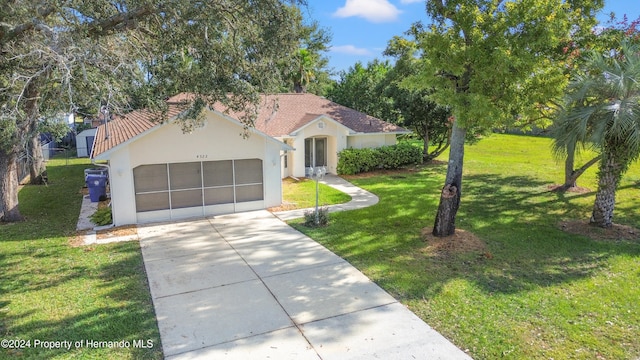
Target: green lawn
<point>301,194</point>
<point>51,291</point>
<point>540,293</point>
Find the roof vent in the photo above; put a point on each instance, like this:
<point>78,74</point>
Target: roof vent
<point>321,124</point>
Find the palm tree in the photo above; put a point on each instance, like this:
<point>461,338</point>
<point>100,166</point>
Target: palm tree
<point>304,73</point>
<point>603,109</point>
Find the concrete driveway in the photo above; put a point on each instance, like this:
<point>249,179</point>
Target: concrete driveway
<point>248,286</point>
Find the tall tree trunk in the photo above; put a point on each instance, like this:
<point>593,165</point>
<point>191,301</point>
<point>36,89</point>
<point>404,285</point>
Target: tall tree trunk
<point>37,167</point>
<point>445,223</point>
<point>569,181</point>
<point>425,141</point>
<point>9,187</point>
<point>572,178</point>
<point>608,177</point>
<point>571,175</point>
<point>35,157</point>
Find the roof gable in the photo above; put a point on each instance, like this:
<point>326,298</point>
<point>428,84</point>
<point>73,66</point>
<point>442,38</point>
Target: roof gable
<point>284,114</point>
<point>315,119</point>
<point>127,128</point>
<point>124,128</point>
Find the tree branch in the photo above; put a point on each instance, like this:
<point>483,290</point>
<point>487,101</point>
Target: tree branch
<point>8,33</point>
<point>120,21</point>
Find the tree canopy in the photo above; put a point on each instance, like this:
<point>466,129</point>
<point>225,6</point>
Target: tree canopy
<point>59,56</point>
<point>361,87</point>
<point>492,62</point>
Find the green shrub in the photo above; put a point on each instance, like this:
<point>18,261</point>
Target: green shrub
<point>102,216</point>
<point>354,161</point>
<point>310,217</point>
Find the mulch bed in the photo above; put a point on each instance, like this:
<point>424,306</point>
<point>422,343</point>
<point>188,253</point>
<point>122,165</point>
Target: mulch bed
<point>461,241</point>
<point>126,230</point>
<point>615,233</point>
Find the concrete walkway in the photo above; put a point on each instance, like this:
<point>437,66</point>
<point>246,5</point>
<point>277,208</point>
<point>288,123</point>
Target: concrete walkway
<point>360,198</point>
<point>248,286</point>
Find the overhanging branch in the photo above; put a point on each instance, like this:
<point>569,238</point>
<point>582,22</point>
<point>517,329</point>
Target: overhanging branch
<point>120,21</point>
<point>9,33</point>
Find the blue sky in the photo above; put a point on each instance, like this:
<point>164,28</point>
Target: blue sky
<point>362,28</point>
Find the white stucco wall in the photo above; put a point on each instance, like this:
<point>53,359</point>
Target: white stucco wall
<point>361,141</point>
<point>336,135</point>
<point>220,139</point>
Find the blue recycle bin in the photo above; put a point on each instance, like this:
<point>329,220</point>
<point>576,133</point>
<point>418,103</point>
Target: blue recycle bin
<point>97,185</point>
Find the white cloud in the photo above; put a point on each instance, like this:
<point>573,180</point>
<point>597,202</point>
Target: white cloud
<point>350,49</point>
<point>376,11</point>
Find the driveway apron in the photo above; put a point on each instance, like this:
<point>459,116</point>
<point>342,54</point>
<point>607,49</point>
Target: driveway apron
<point>248,286</point>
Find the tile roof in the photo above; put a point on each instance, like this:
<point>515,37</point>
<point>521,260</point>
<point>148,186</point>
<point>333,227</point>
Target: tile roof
<point>282,114</point>
<point>279,116</point>
<point>124,127</point>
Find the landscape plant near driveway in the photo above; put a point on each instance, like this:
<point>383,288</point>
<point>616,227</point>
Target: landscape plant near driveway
<point>52,291</point>
<point>535,291</point>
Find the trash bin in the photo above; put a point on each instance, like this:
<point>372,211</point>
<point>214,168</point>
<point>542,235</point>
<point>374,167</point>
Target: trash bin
<point>95,171</point>
<point>97,185</point>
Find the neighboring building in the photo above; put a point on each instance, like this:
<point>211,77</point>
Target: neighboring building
<point>157,172</point>
<point>84,142</point>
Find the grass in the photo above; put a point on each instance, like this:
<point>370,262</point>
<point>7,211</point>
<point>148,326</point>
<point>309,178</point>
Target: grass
<point>539,292</point>
<point>301,194</point>
<point>52,291</point>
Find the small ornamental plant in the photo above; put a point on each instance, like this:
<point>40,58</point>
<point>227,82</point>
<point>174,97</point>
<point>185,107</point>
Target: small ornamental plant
<point>310,219</point>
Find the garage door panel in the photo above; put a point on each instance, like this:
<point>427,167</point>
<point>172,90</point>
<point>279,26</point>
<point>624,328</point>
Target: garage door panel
<point>150,178</point>
<point>246,193</point>
<point>185,176</point>
<point>186,198</point>
<point>152,201</point>
<point>248,171</point>
<point>217,196</point>
<point>217,173</point>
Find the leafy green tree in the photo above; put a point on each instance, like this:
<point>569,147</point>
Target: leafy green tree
<point>362,88</point>
<point>491,63</point>
<point>414,107</point>
<point>60,55</point>
<point>603,109</point>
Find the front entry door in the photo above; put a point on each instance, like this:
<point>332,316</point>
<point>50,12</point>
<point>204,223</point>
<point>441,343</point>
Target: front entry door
<point>315,152</point>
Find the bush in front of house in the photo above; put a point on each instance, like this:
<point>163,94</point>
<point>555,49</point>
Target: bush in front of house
<point>102,216</point>
<point>354,161</point>
<point>310,217</point>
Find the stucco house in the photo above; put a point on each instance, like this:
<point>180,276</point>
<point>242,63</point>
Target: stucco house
<point>157,172</point>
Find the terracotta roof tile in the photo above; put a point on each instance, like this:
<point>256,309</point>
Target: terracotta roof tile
<point>125,127</point>
<point>279,115</point>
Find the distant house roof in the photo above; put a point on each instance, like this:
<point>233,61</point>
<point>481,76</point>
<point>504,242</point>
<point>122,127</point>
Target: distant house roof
<point>279,115</point>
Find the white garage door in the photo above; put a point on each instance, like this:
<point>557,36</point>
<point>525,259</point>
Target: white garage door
<point>179,190</point>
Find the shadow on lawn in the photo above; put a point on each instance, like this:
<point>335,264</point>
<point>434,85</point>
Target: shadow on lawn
<point>516,216</point>
<point>50,291</point>
<point>116,308</point>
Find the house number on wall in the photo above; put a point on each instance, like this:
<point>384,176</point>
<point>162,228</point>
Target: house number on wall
<point>201,156</point>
